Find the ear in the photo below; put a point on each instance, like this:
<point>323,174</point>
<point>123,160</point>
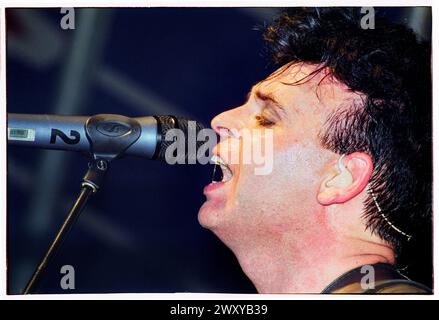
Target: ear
<point>345,179</point>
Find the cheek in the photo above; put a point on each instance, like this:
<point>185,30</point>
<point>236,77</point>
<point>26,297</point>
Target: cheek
<point>288,187</point>
<point>297,162</point>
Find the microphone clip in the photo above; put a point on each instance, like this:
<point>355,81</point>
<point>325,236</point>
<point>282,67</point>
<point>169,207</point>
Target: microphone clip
<point>110,135</point>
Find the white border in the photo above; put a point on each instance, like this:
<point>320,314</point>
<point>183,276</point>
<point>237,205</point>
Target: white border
<point>3,157</point>
<point>211,3</point>
<point>205,3</point>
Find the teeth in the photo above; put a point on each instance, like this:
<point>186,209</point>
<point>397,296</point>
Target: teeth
<point>217,160</point>
<point>227,173</point>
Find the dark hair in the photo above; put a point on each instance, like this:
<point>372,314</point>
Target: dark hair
<point>391,67</point>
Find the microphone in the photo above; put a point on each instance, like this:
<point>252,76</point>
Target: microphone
<point>105,136</point>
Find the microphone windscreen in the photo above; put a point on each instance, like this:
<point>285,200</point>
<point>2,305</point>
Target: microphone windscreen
<point>189,129</point>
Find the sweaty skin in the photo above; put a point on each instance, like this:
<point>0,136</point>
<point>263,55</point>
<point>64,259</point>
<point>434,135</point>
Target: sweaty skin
<point>285,228</point>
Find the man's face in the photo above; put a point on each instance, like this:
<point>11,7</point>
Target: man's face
<point>252,207</point>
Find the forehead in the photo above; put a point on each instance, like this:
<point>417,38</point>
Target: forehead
<point>302,84</point>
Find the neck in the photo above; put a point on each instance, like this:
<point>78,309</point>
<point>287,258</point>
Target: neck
<point>285,267</point>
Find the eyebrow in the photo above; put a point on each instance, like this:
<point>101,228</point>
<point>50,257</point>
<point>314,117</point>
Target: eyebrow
<point>266,97</point>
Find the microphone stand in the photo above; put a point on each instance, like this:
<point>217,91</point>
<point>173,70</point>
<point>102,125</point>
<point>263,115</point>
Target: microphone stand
<point>109,136</point>
<point>90,185</point>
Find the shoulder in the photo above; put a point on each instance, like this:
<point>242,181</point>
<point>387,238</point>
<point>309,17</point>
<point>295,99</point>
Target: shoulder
<point>386,280</point>
<point>396,286</point>
<point>399,286</point>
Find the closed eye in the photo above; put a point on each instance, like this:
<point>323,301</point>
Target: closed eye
<point>263,121</point>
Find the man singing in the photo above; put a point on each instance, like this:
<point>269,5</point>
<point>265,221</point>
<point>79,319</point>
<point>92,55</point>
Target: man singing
<point>349,191</point>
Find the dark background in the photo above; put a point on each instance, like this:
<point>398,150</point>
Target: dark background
<point>140,232</point>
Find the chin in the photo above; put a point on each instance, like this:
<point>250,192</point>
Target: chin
<point>209,215</point>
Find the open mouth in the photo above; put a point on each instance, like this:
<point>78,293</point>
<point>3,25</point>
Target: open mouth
<point>223,175</point>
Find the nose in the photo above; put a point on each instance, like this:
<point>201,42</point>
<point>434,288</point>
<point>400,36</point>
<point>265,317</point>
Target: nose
<point>228,123</point>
